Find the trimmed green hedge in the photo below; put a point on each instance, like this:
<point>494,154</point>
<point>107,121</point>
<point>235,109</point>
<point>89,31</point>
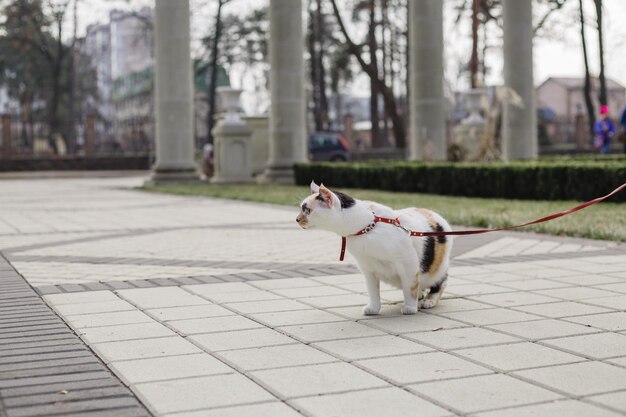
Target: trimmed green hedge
<point>537,180</point>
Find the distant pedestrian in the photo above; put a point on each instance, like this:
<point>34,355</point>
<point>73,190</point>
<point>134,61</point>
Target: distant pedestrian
<point>622,136</point>
<point>605,130</point>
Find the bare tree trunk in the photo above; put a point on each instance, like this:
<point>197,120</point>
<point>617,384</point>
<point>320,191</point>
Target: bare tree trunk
<point>387,93</point>
<point>603,96</point>
<point>474,58</point>
<point>588,102</point>
<point>213,71</point>
<point>71,118</point>
<point>313,67</point>
<point>321,70</point>
<point>372,45</point>
<point>54,124</point>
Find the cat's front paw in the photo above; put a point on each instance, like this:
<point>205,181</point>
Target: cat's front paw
<point>427,303</point>
<point>371,310</point>
<point>408,309</point>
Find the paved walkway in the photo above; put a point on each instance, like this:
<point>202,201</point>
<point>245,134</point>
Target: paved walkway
<point>206,307</point>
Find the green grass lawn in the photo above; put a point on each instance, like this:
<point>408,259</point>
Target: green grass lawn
<point>605,221</point>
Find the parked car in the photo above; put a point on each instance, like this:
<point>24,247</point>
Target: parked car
<point>328,146</point>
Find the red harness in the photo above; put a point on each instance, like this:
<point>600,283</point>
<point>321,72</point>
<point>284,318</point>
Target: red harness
<point>411,233</point>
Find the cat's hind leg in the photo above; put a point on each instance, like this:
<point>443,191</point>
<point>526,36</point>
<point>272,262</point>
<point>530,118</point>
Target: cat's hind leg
<point>435,293</point>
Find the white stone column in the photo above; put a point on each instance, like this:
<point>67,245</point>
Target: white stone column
<point>519,123</point>
<point>173,96</point>
<point>287,126</point>
<point>427,107</point>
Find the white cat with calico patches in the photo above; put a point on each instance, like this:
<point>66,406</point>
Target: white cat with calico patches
<point>385,252</point>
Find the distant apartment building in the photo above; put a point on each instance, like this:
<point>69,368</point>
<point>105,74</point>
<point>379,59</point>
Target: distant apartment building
<point>118,48</point>
<point>563,114</point>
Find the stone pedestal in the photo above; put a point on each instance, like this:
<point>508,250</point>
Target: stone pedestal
<point>426,102</point>
<point>173,96</point>
<point>288,141</point>
<point>232,153</point>
<point>260,142</point>
<point>519,122</point>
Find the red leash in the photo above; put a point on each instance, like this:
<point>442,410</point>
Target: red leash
<point>396,222</point>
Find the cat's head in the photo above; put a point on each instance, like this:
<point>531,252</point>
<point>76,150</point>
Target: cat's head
<point>322,208</point>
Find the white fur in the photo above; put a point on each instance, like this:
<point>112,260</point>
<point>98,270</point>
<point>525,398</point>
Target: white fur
<point>386,253</point>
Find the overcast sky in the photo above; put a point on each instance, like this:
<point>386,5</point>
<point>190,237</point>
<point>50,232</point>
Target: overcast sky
<point>553,57</point>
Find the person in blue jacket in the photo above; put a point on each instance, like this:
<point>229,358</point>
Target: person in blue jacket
<point>623,123</point>
<point>605,131</point>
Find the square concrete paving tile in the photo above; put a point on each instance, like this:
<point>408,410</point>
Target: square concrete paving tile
<point>317,379</point>
<point>108,319</point>
<point>577,293</point>
<point>160,297</point>
<point>423,367</point>
<point>241,339</point>
<point>80,297</point>
<point>371,347</point>
<point>518,356</point>
<point>213,324</point>
<point>302,292</point>
<point>170,367</point>
<point>542,329</point>
<point>484,393</point>
<point>598,345</point>
<point>567,408</point>
<point>457,304</point>
<point>619,287</point>
<point>618,302</point>
<point>145,348</point>
<point>92,308</point>
<point>275,357</point>
<point>339,279</point>
<point>336,300</point>
<point>562,309</point>
<point>490,316</point>
<point>271,409</point>
<point>388,402</point>
<point>413,323</point>
<point>189,312</point>
<point>124,332</point>
<point>585,378</point>
<point>330,331</point>
<point>461,338</point>
<point>210,289</point>
<point>267,306</point>
<point>275,284</point>
<point>587,279</point>
<point>518,298</point>
<point>356,312</point>
<point>241,296</point>
<point>467,270</point>
<point>197,393</point>
<point>610,321</point>
<point>474,289</point>
<point>533,284</point>
<point>615,400</point>
<point>286,318</point>
<point>619,361</point>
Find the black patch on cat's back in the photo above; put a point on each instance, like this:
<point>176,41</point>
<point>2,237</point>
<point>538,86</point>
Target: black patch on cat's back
<point>345,199</point>
<point>428,257</point>
<point>440,239</point>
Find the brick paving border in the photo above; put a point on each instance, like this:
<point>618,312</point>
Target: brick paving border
<point>45,369</point>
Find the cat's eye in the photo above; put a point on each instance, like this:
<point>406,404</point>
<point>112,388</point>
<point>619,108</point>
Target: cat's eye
<point>306,210</point>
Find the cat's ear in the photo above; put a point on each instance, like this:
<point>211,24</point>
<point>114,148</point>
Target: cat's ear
<point>326,195</point>
<point>314,188</point>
